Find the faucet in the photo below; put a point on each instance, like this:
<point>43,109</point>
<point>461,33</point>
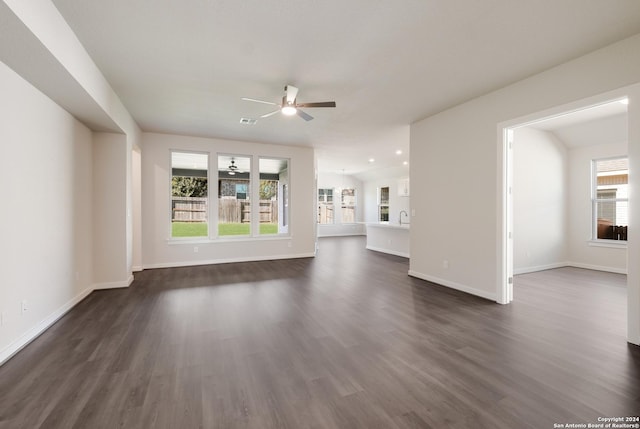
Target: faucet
<point>405,213</point>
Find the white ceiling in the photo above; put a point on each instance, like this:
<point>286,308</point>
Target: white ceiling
<point>602,124</point>
<point>183,67</point>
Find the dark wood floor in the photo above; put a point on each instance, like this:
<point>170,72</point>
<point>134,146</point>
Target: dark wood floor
<point>345,340</point>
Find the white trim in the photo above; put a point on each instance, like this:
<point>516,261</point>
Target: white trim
<point>526,270</point>
<point>597,267</point>
<point>612,244</point>
<point>14,347</point>
<point>391,252</point>
<point>229,239</point>
<point>227,261</point>
<point>453,285</point>
<point>114,285</point>
<point>343,234</point>
<point>504,255</point>
<point>137,268</point>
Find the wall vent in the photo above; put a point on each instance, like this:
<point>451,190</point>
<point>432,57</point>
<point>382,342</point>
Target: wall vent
<point>248,121</point>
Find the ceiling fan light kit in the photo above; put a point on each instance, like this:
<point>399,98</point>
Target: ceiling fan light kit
<point>289,106</point>
<point>289,110</point>
<point>232,168</point>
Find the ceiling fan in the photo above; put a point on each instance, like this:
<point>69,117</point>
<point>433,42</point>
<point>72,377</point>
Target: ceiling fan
<point>232,167</point>
<point>290,106</point>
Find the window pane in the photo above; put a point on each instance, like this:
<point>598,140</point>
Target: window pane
<point>383,207</point>
<point>234,194</point>
<point>611,198</point>
<point>348,205</point>
<point>189,194</point>
<point>274,204</point>
<point>384,213</point>
<point>325,206</point>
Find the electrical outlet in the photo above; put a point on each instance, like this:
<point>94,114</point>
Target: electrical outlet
<point>1,318</point>
<point>23,306</point>
<point>195,249</point>
<point>445,264</point>
<point>413,212</point>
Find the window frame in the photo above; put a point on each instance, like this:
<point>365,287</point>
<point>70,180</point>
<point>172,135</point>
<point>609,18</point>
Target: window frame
<point>344,205</point>
<point>213,196</point>
<point>283,198</point>
<point>251,194</point>
<point>326,203</point>
<point>596,201</point>
<point>383,205</point>
<point>209,205</point>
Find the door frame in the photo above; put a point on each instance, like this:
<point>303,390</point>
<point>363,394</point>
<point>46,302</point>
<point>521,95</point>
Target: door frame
<point>504,215</point>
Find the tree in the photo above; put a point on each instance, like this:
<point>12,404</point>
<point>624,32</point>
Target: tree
<point>188,186</point>
<point>268,189</point>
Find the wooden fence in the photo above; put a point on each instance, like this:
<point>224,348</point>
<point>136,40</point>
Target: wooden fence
<point>230,210</point>
<point>188,209</point>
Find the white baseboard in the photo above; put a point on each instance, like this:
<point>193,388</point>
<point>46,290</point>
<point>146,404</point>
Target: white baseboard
<point>526,270</point>
<point>342,234</point>
<point>227,261</point>
<point>391,252</point>
<point>597,267</point>
<point>114,285</point>
<point>137,268</point>
<point>33,333</point>
<point>453,285</point>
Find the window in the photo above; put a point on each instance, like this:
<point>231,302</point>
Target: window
<point>610,198</point>
<point>325,206</point>
<point>348,205</point>
<point>189,194</point>
<point>383,205</point>
<point>242,189</point>
<point>274,199</point>
<point>234,195</point>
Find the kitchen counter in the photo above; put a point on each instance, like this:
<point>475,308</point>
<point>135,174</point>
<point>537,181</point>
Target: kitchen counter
<point>391,238</point>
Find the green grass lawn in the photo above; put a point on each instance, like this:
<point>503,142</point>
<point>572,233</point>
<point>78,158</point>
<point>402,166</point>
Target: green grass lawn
<point>194,229</point>
<point>189,229</point>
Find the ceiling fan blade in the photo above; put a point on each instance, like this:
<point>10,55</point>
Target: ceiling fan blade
<point>270,114</point>
<point>292,93</point>
<point>304,115</point>
<point>319,104</point>
<point>259,101</point>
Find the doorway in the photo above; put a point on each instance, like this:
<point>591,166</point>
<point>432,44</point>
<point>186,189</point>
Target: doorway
<point>548,168</point>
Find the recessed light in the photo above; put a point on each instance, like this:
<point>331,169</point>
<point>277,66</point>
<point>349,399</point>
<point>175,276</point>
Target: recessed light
<point>624,101</point>
<point>372,160</point>
<point>405,163</point>
<point>398,152</point>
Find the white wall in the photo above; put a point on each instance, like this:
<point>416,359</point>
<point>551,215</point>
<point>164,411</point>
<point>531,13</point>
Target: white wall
<point>136,196</point>
<point>552,204</point>
<point>50,56</point>
<point>335,181</point>
<point>159,251</point>
<point>581,253</point>
<point>460,155</point>
<point>110,181</point>
<point>540,198</point>
<point>396,202</point>
<point>45,221</point>
<point>633,247</point>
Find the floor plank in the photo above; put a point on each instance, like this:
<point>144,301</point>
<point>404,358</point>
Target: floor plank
<point>343,340</point>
